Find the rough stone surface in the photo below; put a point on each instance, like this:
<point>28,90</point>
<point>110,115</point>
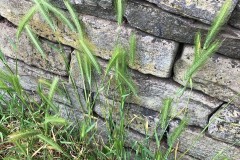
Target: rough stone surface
<point>204,147</point>
<point>153,56</point>
<point>201,10</point>
<point>235,17</point>
<point>152,91</point>
<point>136,117</point>
<point>103,3</point>
<point>153,20</point>
<point>219,77</point>
<point>25,51</point>
<point>100,8</point>
<point>225,124</point>
<point>170,26</point>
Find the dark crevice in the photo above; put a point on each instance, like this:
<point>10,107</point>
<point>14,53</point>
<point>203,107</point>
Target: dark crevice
<point>215,110</point>
<point>9,23</point>
<point>177,57</point>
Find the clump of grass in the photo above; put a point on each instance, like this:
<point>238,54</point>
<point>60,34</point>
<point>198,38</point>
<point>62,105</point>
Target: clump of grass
<point>211,44</point>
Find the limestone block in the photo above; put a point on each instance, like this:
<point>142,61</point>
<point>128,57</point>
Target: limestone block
<point>152,91</point>
<point>25,51</point>
<point>203,147</point>
<point>153,56</point>
<point>98,8</point>
<point>235,17</point>
<point>102,3</point>
<point>170,26</point>
<point>225,124</point>
<point>219,77</point>
<point>201,10</point>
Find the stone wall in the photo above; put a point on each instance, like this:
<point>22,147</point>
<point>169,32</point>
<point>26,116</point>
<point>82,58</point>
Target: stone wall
<point>165,31</point>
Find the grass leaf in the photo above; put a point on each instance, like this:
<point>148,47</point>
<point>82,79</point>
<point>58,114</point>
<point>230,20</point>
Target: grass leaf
<point>128,82</point>
<point>59,14</point>
<point>55,120</point>
<point>50,142</point>
<point>165,113</point>
<point>119,4</point>
<point>204,57</point>
<point>74,18</point>
<point>86,50</point>
<point>53,88</point>
<point>219,21</point>
<point>113,59</point>
<point>197,47</point>
<point>22,135</point>
<point>35,41</point>
<point>45,13</point>
<point>177,132</point>
<point>25,20</point>
<point>4,130</point>
<point>133,46</point>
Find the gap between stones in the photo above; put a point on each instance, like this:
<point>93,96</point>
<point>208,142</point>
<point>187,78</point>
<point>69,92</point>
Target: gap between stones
<point>177,57</point>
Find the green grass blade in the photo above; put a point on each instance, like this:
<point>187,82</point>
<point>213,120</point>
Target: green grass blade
<point>44,13</point>
<point>35,41</point>
<point>53,88</point>
<point>74,18</point>
<point>133,46</point>
<point>165,113</point>
<point>4,130</point>
<point>119,10</point>
<point>50,142</point>
<point>177,132</point>
<point>219,21</point>
<point>91,56</point>
<point>22,135</point>
<point>204,57</point>
<point>90,127</point>
<point>2,56</point>
<point>59,14</point>
<point>26,19</point>
<point>49,102</point>
<point>128,82</point>
<point>197,47</point>
<point>87,69</point>
<point>55,120</point>
<point>113,59</point>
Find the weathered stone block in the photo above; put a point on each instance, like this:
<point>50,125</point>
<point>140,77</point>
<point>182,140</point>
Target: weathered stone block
<point>203,147</point>
<point>25,51</point>
<point>235,17</point>
<point>219,77</point>
<point>201,10</point>
<point>99,8</point>
<point>166,25</point>
<point>152,91</point>
<point>153,56</point>
<point>225,124</point>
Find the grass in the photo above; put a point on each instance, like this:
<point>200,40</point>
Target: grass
<point>34,129</point>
